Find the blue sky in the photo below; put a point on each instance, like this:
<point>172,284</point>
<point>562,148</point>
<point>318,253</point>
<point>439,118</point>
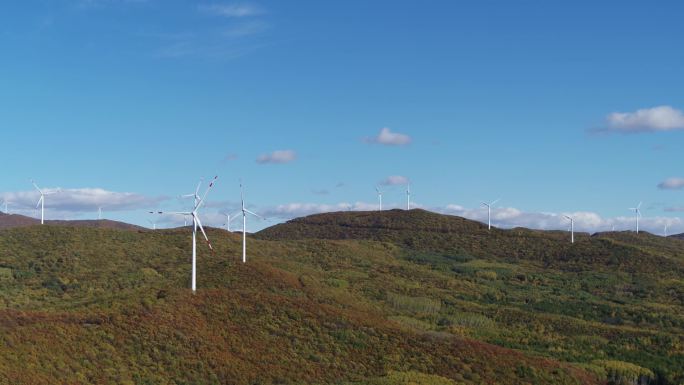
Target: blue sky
<point>556,107</point>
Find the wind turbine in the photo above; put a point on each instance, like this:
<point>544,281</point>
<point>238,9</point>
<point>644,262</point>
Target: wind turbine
<point>153,223</point>
<point>244,223</point>
<point>5,202</point>
<point>489,212</point>
<point>196,194</point>
<point>99,213</point>
<point>377,188</point>
<point>196,223</point>
<point>408,195</point>
<point>572,228</point>
<point>41,201</point>
<point>229,219</point>
<point>637,215</point>
<point>665,232</point>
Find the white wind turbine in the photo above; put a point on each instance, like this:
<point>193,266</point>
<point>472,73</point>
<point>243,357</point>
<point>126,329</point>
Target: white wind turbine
<point>153,223</point>
<point>5,202</point>
<point>196,223</point>
<point>41,201</point>
<point>229,218</point>
<point>99,213</point>
<point>244,223</point>
<point>408,195</point>
<point>637,215</point>
<point>489,212</point>
<point>377,188</point>
<point>665,232</point>
<point>572,228</point>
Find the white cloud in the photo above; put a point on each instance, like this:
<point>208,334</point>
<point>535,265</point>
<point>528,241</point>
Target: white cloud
<point>672,184</point>
<point>389,138</point>
<point>231,10</point>
<point>69,202</point>
<point>661,118</point>
<point>395,180</point>
<point>278,157</point>
<point>508,217</point>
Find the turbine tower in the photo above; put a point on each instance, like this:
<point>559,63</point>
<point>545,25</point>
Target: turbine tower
<point>408,195</point>
<point>489,212</point>
<point>244,223</point>
<point>99,213</point>
<point>665,232</point>
<point>377,188</point>
<point>572,228</point>
<point>41,201</point>
<point>5,202</point>
<point>637,215</point>
<point>196,223</point>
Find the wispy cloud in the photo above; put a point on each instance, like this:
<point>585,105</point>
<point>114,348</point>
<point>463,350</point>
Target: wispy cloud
<point>395,180</point>
<point>388,138</point>
<point>81,200</point>
<point>656,119</point>
<point>232,10</point>
<point>672,184</point>
<point>277,157</point>
<point>224,38</point>
<point>245,29</point>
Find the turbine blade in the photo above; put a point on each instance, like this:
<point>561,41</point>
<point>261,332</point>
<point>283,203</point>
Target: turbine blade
<point>256,215</point>
<point>198,187</point>
<point>199,224</point>
<point>170,212</point>
<point>242,195</point>
<point>493,203</point>
<point>201,201</point>
<point>39,201</point>
<point>36,186</point>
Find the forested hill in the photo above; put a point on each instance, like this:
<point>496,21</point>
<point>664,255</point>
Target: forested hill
<point>344,298</point>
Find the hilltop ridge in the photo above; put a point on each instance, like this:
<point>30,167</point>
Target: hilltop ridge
<point>8,221</point>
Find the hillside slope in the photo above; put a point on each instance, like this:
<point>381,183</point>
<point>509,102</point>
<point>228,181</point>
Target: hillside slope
<point>89,305</point>
<point>611,296</point>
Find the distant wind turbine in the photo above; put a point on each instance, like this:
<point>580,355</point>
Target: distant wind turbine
<point>637,215</point>
<point>41,201</point>
<point>5,202</point>
<point>153,223</point>
<point>489,212</point>
<point>408,195</point>
<point>377,188</point>
<point>665,232</point>
<point>229,218</point>
<point>196,223</point>
<point>244,223</point>
<point>99,213</point>
<point>572,228</point>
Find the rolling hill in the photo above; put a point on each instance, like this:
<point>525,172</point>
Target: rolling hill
<point>343,298</point>
<point>8,221</point>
